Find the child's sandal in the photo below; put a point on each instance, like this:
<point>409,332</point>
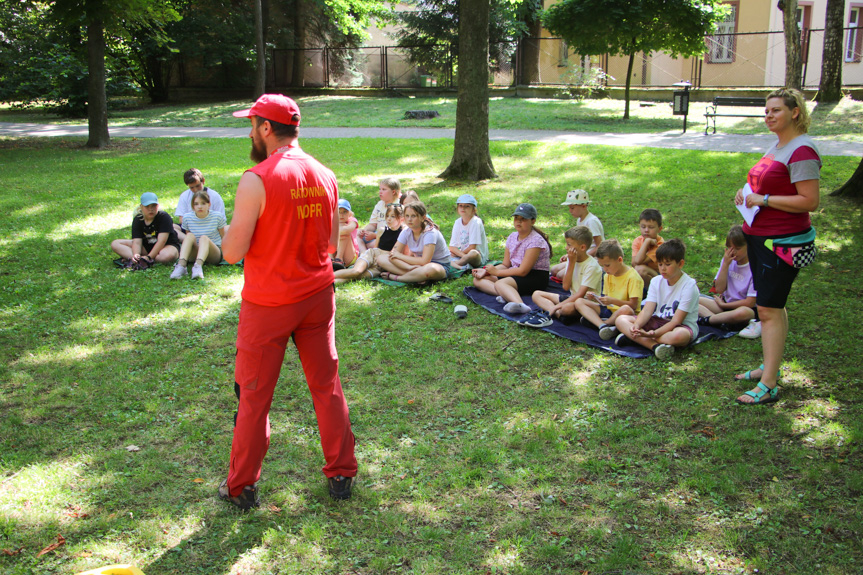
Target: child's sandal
<point>758,396</point>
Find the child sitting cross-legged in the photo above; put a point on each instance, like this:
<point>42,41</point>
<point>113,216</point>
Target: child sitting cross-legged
<point>427,256</point>
<point>468,245</point>
<point>668,318</point>
<point>734,302</point>
<point>620,294</point>
<point>367,263</point>
<point>583,274</point>
<point>348,247</point>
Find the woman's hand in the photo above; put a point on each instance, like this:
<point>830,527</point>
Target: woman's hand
<point>753,200</point>
<point>738,197</point>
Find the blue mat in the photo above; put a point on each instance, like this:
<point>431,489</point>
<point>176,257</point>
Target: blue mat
<point>579,333</point>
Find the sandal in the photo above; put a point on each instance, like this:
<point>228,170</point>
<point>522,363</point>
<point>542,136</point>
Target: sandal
<point>758,395</point>
<point>389,276</point>
<point>441,298</point>
<point>748,375</point>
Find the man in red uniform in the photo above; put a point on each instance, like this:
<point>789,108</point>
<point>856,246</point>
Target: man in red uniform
<point>285,223</point>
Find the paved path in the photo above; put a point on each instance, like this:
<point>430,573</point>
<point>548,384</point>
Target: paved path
<point>692,140</point>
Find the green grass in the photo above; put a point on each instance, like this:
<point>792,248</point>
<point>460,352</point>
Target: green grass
<point>484,447</point>
<point>504,113</point>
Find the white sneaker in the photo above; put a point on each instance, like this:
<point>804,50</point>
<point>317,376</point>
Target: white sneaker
<point>197,272</point>
<point>179,271</point>
<point>663,351</point>
<point>751,331</point>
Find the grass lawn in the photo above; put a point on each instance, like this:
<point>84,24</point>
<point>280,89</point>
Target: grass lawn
<point>484,447</point>
<point>840,119</point>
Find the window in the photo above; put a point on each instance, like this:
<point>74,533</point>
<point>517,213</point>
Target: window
<point>720,46</point>
<point>804,23</point>
<point>854,36</point>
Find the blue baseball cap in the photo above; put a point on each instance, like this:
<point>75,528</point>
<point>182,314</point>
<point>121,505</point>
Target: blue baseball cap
<point>148,199</point>
<point>525,211</point>
<point>343,203</point>
<point>466,199</point>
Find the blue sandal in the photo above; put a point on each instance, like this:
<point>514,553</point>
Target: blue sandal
<point>758,396</point>
<point>748,375</point>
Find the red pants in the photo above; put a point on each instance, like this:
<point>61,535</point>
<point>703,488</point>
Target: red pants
<point>262,336</point>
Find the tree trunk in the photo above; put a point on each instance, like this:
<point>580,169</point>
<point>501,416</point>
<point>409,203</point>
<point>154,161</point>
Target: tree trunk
<point>471,159</point>
<point>853,188</point>
<point>793,57</point>
<point>628,82</point>
<point>97,99</point>
<point>530,54</point>
<point>299,68</point>
<point>260,54</point>
<point>830,88</point>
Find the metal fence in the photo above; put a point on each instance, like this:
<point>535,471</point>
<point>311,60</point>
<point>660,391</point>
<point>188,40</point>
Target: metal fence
<point>741,60</point>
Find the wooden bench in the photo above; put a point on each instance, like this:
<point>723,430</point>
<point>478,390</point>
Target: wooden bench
<point>711,112</point>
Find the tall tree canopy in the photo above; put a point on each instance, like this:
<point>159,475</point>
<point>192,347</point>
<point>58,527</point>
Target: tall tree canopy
<point>431,29</point>
<point>595,27</point>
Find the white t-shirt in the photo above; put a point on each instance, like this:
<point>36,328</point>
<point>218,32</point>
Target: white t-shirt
<point>587,273</point>
<point>668,299</point>
<point>593,224</point>
<point>379,214</point>
<point>471,234</point>
<point>184,206</point>
<point>429,236</point>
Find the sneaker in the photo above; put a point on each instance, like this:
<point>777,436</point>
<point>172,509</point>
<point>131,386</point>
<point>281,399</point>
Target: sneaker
<point>608,332</point>
<point>197,272</point>
<point>537,319</point>
<point>663,351</point>
<point>703,320</point>
<point>340,487</point>
<point>179,271</point>
<point>621,340</point>
<point>516,307</point>
<point>245,500</point>
<point>751,331</point>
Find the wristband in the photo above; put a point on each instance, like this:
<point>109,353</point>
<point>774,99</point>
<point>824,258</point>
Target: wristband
<point>766,200</point>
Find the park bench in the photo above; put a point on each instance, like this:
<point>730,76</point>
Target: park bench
<point>711,112</point>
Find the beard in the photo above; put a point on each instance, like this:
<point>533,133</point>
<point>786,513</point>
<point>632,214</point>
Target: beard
<point>259,151</point>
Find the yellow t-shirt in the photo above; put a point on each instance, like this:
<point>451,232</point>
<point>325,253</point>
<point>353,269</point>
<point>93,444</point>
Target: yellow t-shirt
<point>623,287</point>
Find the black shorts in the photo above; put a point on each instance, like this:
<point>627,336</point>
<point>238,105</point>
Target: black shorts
<point>533,281</point>
<point>145,249</point>
<point>771,276</point>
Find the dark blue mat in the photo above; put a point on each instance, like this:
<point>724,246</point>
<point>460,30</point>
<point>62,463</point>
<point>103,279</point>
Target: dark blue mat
<point>579,333</point>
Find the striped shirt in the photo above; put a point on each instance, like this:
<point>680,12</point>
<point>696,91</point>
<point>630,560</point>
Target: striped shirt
<point>207,226</point>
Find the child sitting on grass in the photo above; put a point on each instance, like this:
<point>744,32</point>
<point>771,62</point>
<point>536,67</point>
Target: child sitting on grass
<point>668,318</point>
<point>347,250</point>
<point>194,179</point>
<point>579,202</point>
<point>427,255</point>
<point>468,245</point>
<point>153,237</point>
<point>389,192</point>
<point>583,274</point>
<point>204,229</point>
<point>644,246</point>
<point>735,299</point>
<point>620,294</point>
<point>366,264</point>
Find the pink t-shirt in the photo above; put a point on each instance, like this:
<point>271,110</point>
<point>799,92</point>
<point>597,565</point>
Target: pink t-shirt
<point>517,248</point>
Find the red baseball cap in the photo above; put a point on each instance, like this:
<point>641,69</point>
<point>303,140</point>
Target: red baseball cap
<point>275,107</point>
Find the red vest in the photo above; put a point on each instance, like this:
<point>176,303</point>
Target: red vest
<point>287,260</point>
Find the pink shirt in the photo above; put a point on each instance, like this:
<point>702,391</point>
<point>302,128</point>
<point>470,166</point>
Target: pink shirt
<point>517,248</point>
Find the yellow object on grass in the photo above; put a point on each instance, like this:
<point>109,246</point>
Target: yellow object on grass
<point>114,570</point>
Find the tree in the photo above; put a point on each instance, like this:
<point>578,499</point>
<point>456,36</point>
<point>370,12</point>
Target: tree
<point>431,33</point>
<point>793,55</point>
<point>830,88</point>
<point>260,54</point>
<point>471,159</point>
<point>595,27</point>
<point>97,16</point>
<point>853,188</point>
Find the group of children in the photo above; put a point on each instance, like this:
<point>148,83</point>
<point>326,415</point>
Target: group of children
<point>402,243</point>
<point>197,236</point>
<point>607,294</point>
